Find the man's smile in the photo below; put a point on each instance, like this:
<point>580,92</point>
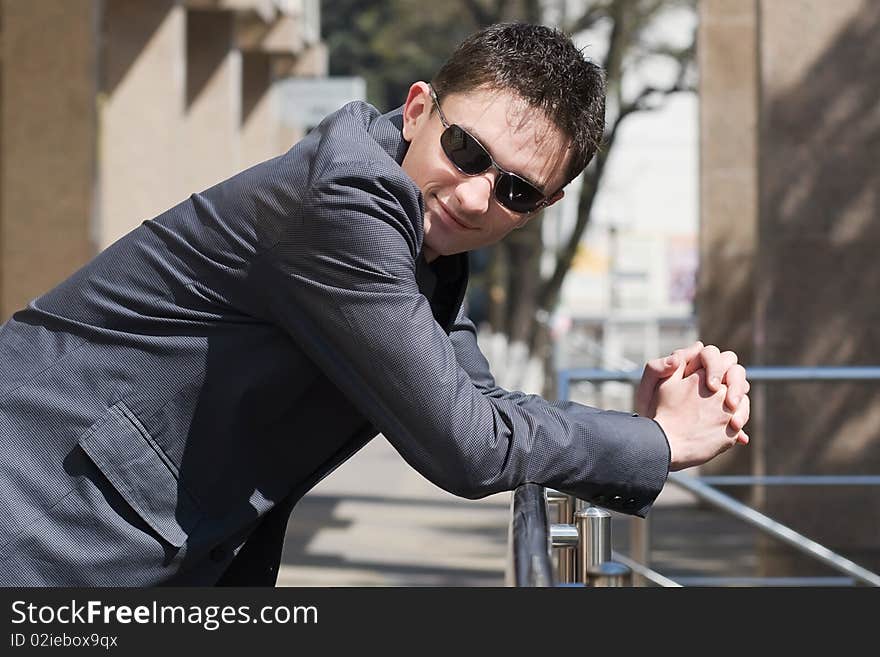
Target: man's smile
<point>450,218</point>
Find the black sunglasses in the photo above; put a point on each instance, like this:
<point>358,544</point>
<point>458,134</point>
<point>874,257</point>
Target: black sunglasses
<point>471,158</point>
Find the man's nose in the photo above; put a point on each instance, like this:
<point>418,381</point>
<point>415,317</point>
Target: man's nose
<point>474,193</point>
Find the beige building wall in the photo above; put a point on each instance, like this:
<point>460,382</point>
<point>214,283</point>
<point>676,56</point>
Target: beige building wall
<point>115,110</point>
<point>211,139</point>
<point>811,296</point>
<point>260,121</point>
<point>47,144</point>
<point>141,111</point>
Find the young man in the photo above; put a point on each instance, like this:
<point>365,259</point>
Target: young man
<point>163,409</point>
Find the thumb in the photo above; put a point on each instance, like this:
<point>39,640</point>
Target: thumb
<point>655,370</point>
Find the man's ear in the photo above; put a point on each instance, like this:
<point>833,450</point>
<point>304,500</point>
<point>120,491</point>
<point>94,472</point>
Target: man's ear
<point>417,109</point>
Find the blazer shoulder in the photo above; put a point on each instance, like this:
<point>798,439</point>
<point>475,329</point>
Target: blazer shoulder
<point>357,139</point>
<point>370,199</point>
<point>356,181</point>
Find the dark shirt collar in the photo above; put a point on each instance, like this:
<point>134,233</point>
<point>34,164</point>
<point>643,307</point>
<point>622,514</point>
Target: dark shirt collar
<point>443,282</point>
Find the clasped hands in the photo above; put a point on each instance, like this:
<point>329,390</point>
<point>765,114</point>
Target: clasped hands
<point>699,397</point>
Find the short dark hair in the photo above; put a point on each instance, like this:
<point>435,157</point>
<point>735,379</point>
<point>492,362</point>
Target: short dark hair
<point>543,67</point>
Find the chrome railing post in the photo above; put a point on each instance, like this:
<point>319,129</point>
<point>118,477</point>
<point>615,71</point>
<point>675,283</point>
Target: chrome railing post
<point>640,544</point>
<point>564,555</point>
<point>594,545</point>
<point>609,574</point>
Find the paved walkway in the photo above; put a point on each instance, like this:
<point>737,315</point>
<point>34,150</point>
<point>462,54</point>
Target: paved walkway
<point>377,522</point>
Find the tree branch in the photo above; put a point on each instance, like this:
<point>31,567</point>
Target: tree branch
<point>641,102</point>
<point>549,293</point>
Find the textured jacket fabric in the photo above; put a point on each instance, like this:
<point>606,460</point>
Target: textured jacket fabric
<point>163,409</point>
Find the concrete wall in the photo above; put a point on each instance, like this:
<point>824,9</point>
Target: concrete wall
<point>811,296</point>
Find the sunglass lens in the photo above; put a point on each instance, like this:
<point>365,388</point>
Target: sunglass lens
<point>464,151</point>
<point>516,194</point>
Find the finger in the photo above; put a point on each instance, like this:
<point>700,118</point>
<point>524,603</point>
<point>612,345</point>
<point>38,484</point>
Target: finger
<point>659,368</point>
<point>715,364</point>
<point>741,416</point>
<point>737,385</point>
<point>688,354</point>
<point>707,355</point>
<point>703,389</point>
<point>742,438</point>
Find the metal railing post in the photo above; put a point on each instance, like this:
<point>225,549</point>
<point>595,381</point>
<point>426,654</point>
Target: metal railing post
<point>609,574</point>
<point>594,545</point>
<point>640,544</point>
<point>564,555</point>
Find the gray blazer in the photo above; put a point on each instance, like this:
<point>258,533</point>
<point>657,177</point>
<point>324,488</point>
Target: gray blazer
<point>162,410</point>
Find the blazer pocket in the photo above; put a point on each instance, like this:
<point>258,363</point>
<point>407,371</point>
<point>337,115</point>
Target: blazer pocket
<point>123,450</point>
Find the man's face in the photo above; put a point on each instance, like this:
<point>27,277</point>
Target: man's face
<point>461,212</point>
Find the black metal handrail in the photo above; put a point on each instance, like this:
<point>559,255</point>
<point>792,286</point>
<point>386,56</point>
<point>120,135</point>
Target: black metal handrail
<point>529,560</point>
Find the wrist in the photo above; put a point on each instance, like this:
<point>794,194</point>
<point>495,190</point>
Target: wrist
<point>663,424</point>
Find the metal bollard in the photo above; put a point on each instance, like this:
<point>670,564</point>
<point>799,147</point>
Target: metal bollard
<point>594,529</point>
<point>565,554</point>
<point>609,574</point>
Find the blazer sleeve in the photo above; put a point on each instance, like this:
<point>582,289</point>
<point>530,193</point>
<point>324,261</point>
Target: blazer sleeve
<point>341,281</point>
